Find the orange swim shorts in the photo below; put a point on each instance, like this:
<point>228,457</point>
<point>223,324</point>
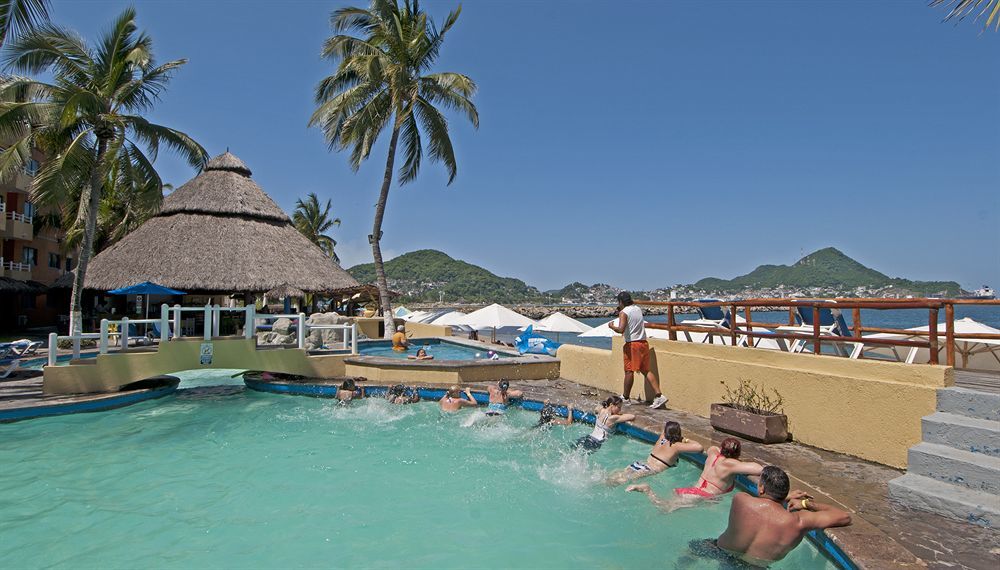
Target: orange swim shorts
<point>636,356</point>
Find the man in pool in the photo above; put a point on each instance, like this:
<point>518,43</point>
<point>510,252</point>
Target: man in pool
<point>762,530</point>
<point>453,401</point>
<point>636,350</point>
<point>399,340</point>
<point>500,396</point>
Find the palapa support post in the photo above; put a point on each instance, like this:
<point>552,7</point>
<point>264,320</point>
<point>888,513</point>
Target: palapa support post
<point>816,346</point>
<point>932,322</point>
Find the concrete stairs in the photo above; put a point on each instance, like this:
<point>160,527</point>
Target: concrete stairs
<point>955,470</point>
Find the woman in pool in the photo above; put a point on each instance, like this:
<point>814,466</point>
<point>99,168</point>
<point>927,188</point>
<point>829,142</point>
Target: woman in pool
<point>667,448</point>
<point>500,396</point>
<point>399,394</point>
<point>420,355</point>
<point>453,400</point>
<point>348,391</point>
<point>721,468</point>
<point>550,417</point>
<point>609,415</point>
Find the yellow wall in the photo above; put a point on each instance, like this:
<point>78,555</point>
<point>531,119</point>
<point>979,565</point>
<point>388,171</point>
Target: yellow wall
<point>368,326</point>
<point>864,408</point>
<point>421,330</point>
<point>109,372</point>
<point>429,373</point>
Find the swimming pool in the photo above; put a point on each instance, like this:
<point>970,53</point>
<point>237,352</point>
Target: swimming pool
<point>223,476</point>
<point>440,350</point>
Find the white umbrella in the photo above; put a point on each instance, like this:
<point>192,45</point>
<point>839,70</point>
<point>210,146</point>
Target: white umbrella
<point>605,331</point>
<point>451,318</point>
<point>981,354</point>
<point>559,323</point>
<point>494,317</point>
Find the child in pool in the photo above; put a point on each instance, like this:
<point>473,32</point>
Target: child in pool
<point>420,355</point>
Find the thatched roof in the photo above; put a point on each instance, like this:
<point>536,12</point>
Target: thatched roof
<point>285,290</point>
<point>8,285</point>
<point>366,292</point>
<point>219,232</point>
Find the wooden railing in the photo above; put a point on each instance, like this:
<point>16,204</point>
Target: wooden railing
<point>816,336</point>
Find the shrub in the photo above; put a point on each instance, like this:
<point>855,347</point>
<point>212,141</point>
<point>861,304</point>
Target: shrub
<point>753,398</point>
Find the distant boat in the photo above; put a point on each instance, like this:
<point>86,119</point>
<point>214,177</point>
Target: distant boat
<point>984,292</point>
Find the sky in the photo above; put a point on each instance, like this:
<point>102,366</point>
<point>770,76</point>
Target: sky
<point>641,144</point>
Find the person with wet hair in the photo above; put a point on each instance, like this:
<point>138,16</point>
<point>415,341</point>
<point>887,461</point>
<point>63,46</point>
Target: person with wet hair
<point>549,416</point>
<point>609,415</point>
<point>764,529</point>
<point>349,390</point>
<point>453,400</point>
<point>664,455</point>
<point>722,465</point>
<point>500,396</point>
<point>400,394</point>
<point>421,355</point>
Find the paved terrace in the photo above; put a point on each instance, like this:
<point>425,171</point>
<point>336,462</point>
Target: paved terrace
<point>883,535</point>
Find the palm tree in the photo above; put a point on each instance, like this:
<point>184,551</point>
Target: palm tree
<point>20,16</point>
<point>87,120</point>
<point>313,222</point>
<point>962,8</point>
<point>378,85</point>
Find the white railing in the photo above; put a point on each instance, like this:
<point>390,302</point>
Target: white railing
<point>14,266</point>
<point>3,207</point>
<point>18,217</point>
<point>213,318</point>
<point>54,339</point>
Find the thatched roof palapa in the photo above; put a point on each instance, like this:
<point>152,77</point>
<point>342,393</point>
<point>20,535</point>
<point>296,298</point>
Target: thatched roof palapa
<point>219,232</point>
<point>9,285</point>
<point>283,291</point>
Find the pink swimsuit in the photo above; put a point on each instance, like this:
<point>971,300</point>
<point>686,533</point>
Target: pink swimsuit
<point>700,489</point>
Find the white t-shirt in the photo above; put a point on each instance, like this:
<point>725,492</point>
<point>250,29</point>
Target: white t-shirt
<point>634,327</point>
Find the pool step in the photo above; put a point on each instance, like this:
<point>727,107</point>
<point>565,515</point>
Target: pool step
<point>974,471</point>
<point>969,403</point>
<point>924,493</point>
<point>961,432</point>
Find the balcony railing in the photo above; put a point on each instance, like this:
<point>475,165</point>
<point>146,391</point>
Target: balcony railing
<point>14,266</point>
<point>18,217</point>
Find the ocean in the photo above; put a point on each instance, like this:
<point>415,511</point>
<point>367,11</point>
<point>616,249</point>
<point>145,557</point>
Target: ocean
<point>896,319</point>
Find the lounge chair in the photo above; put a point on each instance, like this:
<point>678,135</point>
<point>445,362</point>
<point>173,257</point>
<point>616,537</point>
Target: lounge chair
<point>831,323</point>
<point>154,334</point>
<point>23,347</point>
<point>710,318</point>
<point>9,360</point>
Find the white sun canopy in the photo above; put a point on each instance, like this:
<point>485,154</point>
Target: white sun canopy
<point>980,354</point>
<point>560,323</point>
<point>451,318</point>
<point>605,331</point>
<point>494,317</point>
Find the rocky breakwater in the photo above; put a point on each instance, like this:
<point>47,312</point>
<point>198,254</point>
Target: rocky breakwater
<point>579,311</point>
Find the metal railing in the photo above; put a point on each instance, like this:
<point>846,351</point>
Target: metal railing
<point>170,329</point>
<point>818,333</point>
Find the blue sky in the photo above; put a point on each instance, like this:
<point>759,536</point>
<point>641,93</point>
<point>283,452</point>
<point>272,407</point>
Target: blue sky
<point>640,144</point>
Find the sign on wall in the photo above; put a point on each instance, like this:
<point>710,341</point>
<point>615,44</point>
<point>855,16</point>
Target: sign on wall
<point>207,351</point>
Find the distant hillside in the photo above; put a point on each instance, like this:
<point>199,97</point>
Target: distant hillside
<point>423,275</point>
<point>826,268</point>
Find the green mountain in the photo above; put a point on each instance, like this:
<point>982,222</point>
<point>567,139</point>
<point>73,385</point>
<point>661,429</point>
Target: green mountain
<point>827,268</point>
<point>423,275</point>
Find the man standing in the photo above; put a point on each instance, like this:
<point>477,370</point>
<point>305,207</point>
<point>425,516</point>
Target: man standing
<point>636,349</point>
<point>762,530</point>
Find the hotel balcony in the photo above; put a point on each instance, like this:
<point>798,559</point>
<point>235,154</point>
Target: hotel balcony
<point>3,217</point>
<point>16,226</point>
<point>14,270</point>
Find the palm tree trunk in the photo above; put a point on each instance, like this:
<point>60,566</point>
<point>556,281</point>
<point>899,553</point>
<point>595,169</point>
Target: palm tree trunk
<point>86,248</point>
<point>383,286</point>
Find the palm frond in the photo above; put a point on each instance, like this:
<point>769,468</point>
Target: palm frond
<point>960,9</point>
<point>20,16</point>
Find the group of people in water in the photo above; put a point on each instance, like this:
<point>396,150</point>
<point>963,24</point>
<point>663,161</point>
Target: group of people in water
<point>761,529</point>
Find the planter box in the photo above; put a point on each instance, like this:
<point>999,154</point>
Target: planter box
<point>771,428</point>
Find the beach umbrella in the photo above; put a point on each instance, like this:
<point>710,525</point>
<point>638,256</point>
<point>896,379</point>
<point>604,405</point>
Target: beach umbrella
<point>606,332</point>
<point>495,317</point>
<point>981,354</point>
<point>146,288</point>
<point>451,318</point>
<point>558,322</point>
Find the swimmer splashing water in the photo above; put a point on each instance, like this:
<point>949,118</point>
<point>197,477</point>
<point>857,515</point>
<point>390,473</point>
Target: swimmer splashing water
<point>500,396</point>
<point>609,415</point>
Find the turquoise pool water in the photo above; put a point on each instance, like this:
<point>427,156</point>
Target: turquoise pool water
<point>226,477</point>
<point>439,350</point>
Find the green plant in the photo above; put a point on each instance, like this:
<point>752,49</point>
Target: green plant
<point>67,344</point>
<point>753,398</point>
